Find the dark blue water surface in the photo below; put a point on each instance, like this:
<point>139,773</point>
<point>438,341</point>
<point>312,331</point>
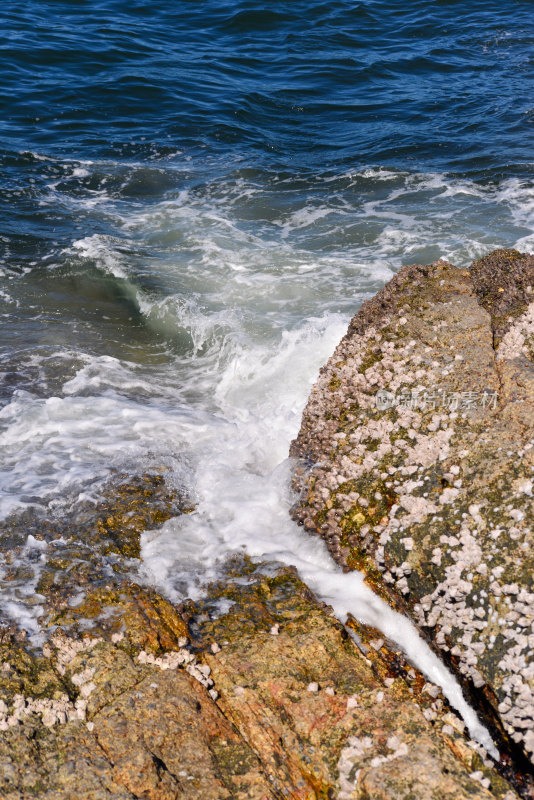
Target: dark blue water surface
<point>296,88</point>
<point>309,85</point>
<point>194,199</point>
<point>186,186</point>
<point>443,84</point>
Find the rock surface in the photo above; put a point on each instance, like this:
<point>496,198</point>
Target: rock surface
<point>258,692</point>
<point>417,448</point>
<point>271,699</point>
<point>328,720</point>
<point>111,725</point>
<point>94,544</point>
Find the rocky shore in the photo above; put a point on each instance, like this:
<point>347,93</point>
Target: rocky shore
<point>417,450</point>
<point>414,462</point>
<point>271,698</point>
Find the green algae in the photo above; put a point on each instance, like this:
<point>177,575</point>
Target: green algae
<point>26,672</point>
<point>334,383</point>
<point>232,758</point>
<point>370,359</point>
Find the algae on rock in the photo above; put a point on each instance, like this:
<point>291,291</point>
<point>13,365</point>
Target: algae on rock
<point>267,700</point>
<point>418,469</point>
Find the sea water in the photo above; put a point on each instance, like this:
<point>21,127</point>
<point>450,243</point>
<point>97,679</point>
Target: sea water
<point>195,199</point>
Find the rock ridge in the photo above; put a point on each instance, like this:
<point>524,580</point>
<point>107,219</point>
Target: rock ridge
<point>415,464</point>
<point>255,692</point>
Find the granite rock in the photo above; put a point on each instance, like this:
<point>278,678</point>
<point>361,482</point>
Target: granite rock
<point>415,464</point>
<point>271,699</point>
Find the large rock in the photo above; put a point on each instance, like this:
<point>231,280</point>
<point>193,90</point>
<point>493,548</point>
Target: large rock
<point>268,700</point>
<point>417,448</point>
<point>255,693</point>
<point>92,720</point>
<point>329,719</point>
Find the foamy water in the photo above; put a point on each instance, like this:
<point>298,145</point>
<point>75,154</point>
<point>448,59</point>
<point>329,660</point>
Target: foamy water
<point>188,340</point>
<point>194,203</point>
<point>242,479</point>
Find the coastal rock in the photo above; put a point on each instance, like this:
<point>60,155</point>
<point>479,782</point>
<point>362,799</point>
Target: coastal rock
<point>328,718</point>
<point>416,465</point>
<point>255,692</point>
<point>118,726</point>
<point>269,699</point>
<point>97,544</point>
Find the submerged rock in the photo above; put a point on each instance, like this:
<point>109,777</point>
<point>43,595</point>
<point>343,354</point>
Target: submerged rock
<point>417,462</point>
<point>97,544</point>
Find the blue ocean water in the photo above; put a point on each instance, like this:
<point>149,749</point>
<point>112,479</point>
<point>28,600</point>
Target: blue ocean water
<point>195,198</point>
<point>170,96</point>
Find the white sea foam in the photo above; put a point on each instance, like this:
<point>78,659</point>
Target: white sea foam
<point>100,248</point>
<point>242,482</point>
<point>374,215</point>
<point>304,217</point>
<point>18,598</point>
<point>518,197</point>
<point>52,447</point>
<point>256,290</point>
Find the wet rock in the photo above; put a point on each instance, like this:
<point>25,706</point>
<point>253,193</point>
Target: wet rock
<point>166,738</point>
<point>149,620</point>
<point>327,719</point>
<point>228,713</point>
<point>97,544</point>
<point>130,730</point>
<point>416,465</point>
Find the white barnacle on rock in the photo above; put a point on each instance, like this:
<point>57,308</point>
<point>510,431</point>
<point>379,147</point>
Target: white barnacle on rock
<point>178,658</point>
<point>79,678</point>
<point>448,496</point>
<point>514,341</point>
<point>51,712</point>
<point>418,508</point>
<point>66,649</point>
<point>351,755</point>
<point>523,486</point>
